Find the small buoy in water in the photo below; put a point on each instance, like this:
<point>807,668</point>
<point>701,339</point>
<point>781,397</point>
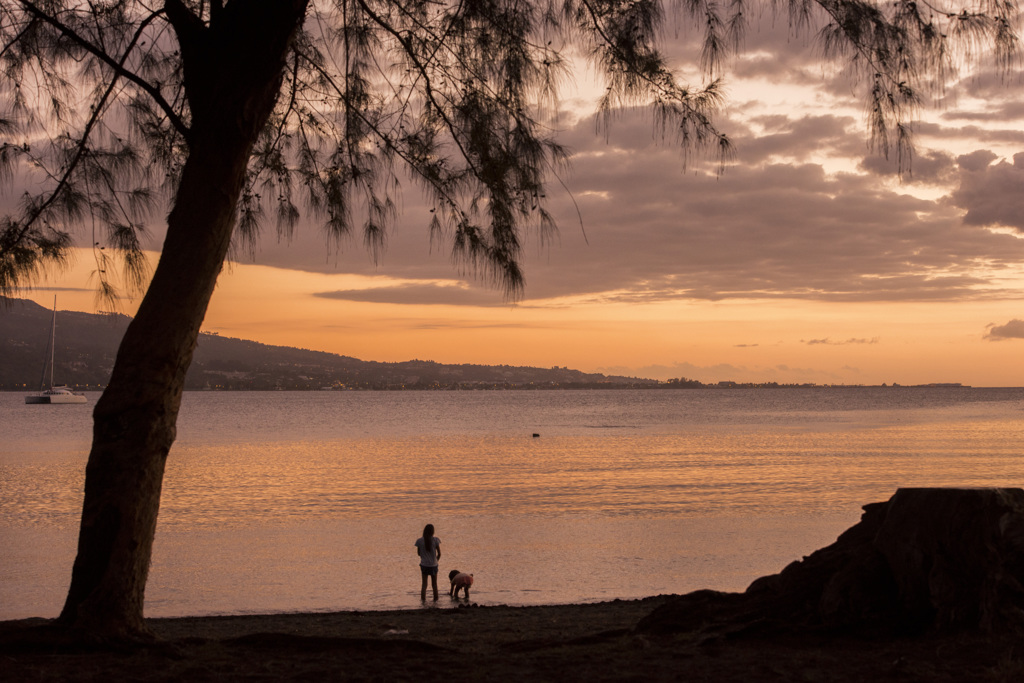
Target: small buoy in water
<point>535,435</point>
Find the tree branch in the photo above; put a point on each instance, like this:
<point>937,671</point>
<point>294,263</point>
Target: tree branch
<point>384,138</point>
<point>97,111</point>
<point>118,67</point>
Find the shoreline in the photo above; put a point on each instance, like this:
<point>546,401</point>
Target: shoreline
<point>649,385</point>
<point>592,641</point>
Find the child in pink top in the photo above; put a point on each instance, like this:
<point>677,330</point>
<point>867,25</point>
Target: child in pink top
<point>460,581</point>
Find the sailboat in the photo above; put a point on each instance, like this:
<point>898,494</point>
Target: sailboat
<point>54,395</point>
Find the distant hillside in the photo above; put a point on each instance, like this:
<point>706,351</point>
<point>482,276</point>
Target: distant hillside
<point>87,344</point>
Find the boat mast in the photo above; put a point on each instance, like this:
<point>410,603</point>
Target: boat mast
<point>50,344</point>
<point>53,337</point>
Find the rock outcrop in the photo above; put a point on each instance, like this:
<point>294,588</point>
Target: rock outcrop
<point>927,560</point>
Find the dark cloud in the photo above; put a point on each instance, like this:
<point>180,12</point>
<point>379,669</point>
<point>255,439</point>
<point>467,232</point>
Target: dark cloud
<point>51,288</point>
<point>773,225</point>
<point>784,137</point>
<point>419,294</point>
<point>770,69</point>
<point>777,224</point>
<point>996,111</point>
<point>926,167</point>
<point>977,134</point>
<point>976,161</point>
<point>991,193</point>
<point>988,84</point>
<point>771,230</point>
<point>1011,330</point>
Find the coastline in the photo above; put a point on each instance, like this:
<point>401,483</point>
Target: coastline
<point>596,641</point>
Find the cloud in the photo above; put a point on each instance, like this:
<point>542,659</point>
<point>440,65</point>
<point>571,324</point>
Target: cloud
<point>830,342</point>
<point>989,85</point>
<point>802,211</point>
<point>997,112</point>
<point>452,324</point>
<point>928,167</point>
<point>52,288</point>
<point>780,136</point>
<point>1011,330</point>
<point>992,193</point>
<point>419,295</point>
<point>775,225</point>
<point>986,135</point>
<point>977,161</point>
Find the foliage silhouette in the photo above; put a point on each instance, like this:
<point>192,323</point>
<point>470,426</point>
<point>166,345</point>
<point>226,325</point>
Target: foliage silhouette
<point>243,113</point>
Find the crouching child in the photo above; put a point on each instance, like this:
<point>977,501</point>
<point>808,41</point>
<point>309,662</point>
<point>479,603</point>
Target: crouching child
<point>460,581</point>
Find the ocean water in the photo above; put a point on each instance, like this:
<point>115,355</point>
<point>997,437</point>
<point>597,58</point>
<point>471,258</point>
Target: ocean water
<point>312,501</point>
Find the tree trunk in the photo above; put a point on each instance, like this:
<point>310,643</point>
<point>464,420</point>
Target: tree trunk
<point>233,72</point>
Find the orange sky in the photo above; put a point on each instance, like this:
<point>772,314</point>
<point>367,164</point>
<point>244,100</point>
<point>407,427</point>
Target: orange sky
<point>783,340</point>
<point>807,260</point>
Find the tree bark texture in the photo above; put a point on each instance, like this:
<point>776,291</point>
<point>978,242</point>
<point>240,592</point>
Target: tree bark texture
<point>233,73</point>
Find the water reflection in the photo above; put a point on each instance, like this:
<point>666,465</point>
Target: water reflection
<point>752,473</point>
<point>289,502</point>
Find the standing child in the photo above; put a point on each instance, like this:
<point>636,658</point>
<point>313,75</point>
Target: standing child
<point>428,547</point>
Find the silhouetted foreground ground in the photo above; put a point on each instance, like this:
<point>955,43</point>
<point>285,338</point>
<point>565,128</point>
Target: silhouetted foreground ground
<point>928,586</point>
<point>569,642</point>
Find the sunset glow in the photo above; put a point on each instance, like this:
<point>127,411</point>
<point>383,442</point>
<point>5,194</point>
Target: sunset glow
<point>805,260</point>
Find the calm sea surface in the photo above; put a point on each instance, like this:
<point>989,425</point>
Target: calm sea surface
<point>312,501</point>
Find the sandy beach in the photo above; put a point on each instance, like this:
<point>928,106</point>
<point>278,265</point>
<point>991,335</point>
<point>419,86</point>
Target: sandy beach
<point>562,642</point>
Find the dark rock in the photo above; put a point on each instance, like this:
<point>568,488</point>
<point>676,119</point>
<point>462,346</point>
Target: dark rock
<point>927,560</point>
<point>955,555</point>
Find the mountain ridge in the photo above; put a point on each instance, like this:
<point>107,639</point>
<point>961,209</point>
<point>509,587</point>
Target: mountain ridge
<point>86,346</point>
